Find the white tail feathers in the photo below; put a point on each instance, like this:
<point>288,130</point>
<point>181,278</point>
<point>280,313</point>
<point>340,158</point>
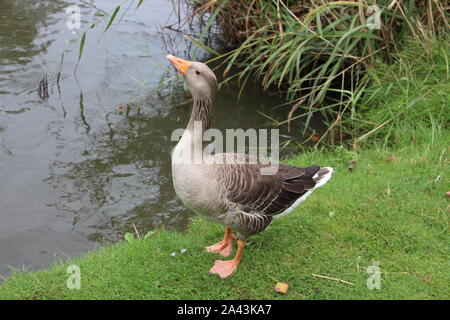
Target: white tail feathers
<point>322,176</point>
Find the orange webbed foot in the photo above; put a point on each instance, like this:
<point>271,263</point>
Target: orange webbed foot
<point>224,268</point>
<point>222,247</point>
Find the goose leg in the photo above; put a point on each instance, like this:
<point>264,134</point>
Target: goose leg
<point>226,268</point>
<point>225,246</point>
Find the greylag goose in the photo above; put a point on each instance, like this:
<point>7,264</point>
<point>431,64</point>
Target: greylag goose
<point>233,192</point>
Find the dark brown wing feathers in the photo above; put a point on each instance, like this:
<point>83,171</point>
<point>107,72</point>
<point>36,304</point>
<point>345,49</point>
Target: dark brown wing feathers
<point>269,194</point>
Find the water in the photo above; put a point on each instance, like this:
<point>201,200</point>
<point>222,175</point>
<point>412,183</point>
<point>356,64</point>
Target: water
<point>71,177</point>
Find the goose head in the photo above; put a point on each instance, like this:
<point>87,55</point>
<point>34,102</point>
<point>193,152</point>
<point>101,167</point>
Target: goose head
<point>200,79</point>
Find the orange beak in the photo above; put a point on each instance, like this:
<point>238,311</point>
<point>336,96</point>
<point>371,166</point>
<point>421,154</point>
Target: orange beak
<point>180,64</point>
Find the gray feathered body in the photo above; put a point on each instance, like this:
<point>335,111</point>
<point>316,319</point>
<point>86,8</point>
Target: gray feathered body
<point>231,190</point>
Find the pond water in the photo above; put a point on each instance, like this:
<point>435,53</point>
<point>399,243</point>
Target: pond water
<point>72,175</point>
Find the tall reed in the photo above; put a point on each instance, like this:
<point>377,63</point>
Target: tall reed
<point>316,49</point>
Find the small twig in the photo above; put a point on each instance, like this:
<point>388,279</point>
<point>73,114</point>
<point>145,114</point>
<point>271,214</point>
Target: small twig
<point>293,109</point>
<point>137,233</point>
<point>400,272</point>
<point>272,278</point>
<point>364,136</point>
<point>335,279</point>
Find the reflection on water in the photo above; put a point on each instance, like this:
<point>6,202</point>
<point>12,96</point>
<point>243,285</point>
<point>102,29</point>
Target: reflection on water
<point>122,177</point>
<point>20,23</point>
<point>71,177</point>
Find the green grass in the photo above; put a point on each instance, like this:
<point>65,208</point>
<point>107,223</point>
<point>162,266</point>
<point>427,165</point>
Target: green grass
<point>413,93</point>
<point>394,212</point>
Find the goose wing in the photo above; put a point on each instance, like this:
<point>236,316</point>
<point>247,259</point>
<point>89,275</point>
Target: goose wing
<point>269,195</point>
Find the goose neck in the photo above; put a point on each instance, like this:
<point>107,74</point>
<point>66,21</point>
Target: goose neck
<point>201,112</point>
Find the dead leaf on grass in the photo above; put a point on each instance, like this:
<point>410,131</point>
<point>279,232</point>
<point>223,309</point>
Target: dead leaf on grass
<point>282,287</point>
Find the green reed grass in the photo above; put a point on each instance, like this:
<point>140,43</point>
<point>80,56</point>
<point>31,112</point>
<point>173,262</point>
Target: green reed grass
<point>320,53</point>
<point>411,93</point>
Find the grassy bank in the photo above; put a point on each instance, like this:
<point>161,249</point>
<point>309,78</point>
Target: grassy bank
<point>391,208</point>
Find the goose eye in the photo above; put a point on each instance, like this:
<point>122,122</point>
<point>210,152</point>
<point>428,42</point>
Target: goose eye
<point>197,72</point>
